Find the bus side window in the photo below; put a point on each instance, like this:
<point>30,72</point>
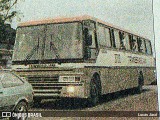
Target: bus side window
<point>141,45</point>
<point>112,38</point>
<point>101,36</point>
<point>117,39</point>
<point>139,41</point>
<point>107,36</point>
<point>130,41</point>
<point>148,47</point>
<point>133,43</point>
<point>126,42</point>
<point>122,40</point>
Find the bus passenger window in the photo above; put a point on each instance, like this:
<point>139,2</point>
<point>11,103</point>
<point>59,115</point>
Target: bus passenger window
<point>122,40</point>
<point>148,47</point>
<point>135,48</point>
<point>130,41</point>
<point>117,39</point>
<point>141,45</point>
<point>126,41</point>
<point>101,36</point>
<point>133,43</point>
<point>107,36</point>
<point>112,38</point>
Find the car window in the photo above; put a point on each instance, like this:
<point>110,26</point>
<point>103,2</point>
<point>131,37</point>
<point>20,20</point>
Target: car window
<point>10,80</point>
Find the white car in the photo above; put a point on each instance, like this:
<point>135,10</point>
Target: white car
<point>16,94</point>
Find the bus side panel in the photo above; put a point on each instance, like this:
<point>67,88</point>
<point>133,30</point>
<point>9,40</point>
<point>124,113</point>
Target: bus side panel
<point>133,78</point>
<point>149,76</point>
<point>116,79</point>
<point>128,78</point>
<point>87,78</point>
<point>110,83</point>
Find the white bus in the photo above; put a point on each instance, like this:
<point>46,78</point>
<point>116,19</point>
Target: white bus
<point>81,57</point>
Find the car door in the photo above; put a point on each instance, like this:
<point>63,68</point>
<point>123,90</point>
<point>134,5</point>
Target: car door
<point>1,95</point>
<point>12,88</point>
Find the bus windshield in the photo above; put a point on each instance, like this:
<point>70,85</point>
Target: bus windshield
<point>47,42</point>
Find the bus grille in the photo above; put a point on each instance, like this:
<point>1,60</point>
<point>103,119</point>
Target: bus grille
<point>45,86</point>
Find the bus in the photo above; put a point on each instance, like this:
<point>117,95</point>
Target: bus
<point>81,57</point>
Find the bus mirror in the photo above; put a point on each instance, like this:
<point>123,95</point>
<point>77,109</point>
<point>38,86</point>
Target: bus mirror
<point>89,40</point>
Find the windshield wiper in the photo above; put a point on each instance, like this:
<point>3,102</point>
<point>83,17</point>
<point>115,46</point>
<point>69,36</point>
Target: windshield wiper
<point>29,55</point>
<point>53,47</point>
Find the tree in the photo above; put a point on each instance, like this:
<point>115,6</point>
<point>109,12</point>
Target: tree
<point>6,10</point>
<point>7,13</point>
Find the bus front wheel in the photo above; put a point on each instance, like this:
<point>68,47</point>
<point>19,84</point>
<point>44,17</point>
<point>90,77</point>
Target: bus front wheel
<point>94,93</point>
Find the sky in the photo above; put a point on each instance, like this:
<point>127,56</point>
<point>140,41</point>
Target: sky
<point>134,15</point>
<point>156,11</point>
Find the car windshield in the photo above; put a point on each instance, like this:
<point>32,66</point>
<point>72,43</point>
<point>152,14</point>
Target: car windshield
<point>45,42</point>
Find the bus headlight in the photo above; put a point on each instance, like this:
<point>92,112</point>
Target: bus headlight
<point>70,89</point>
<point>69,79</point>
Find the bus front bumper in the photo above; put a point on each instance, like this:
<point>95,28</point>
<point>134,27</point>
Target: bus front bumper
<point>66,90</point>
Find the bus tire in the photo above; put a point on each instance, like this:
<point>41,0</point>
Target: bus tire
<point>140,83</point>
<point>37,101</point>
<point>94,92</point>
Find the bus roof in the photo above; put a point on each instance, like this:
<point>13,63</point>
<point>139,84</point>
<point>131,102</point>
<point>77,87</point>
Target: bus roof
<point>56,20</point>
<point>73,19</point>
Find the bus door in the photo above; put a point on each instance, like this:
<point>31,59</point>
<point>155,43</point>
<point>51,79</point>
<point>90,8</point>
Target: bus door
<point>90,41</point>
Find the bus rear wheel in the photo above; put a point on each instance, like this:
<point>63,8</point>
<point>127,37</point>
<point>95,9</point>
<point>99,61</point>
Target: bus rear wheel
<point>140,82</point>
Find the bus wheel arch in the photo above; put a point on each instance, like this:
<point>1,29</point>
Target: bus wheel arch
<point>98,80</point>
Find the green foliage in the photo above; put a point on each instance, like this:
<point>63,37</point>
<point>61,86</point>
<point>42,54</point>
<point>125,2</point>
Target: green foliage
<point>7,13</point>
